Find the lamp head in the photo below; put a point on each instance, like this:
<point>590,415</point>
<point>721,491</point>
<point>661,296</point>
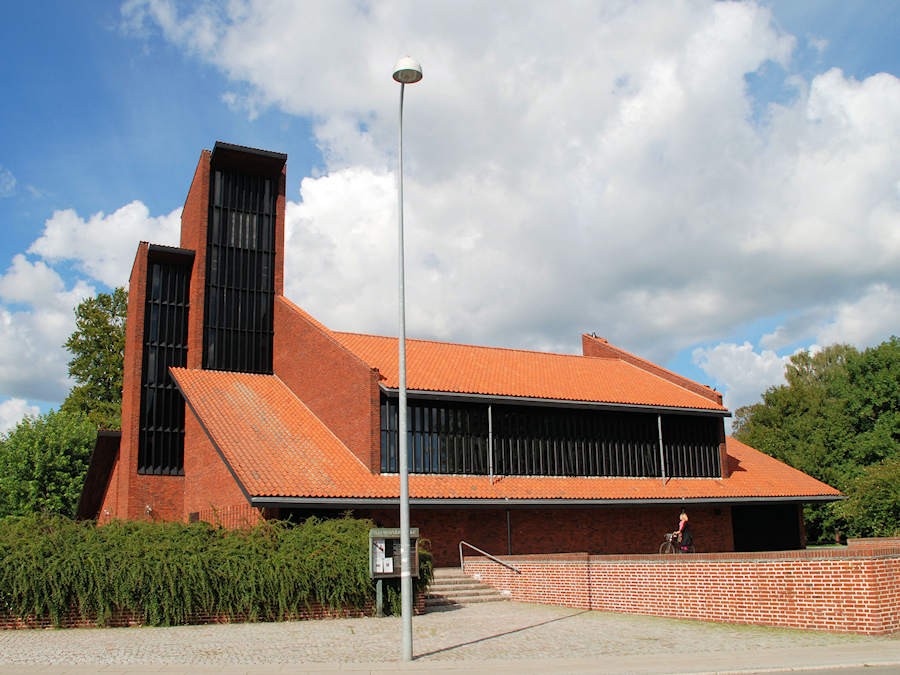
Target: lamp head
<point>407,71</point>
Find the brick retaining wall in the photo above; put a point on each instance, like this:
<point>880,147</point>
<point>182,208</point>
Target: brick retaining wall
<point>852,590</point>
<point>124,618</point>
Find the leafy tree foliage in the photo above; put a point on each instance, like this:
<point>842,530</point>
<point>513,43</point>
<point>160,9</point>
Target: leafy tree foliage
<point>42,464</point>
<point>874,499</point>
<point>98,349</point>
<point>837,419</point>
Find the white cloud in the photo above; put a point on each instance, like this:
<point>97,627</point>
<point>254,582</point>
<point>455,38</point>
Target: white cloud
<point>570,167</point>
<point>870,320</point>
<point>32,361</point>
<point>103,246</point>
<point>12,411</point>
<point>744,372</point>
<point>37,311</point>
<point>7,182</point>
<point>820,44</point>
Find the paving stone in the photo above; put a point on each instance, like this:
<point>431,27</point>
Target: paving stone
<point>499,636</point>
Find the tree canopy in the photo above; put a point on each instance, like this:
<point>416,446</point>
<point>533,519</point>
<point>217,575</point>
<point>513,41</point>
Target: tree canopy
<point>98,355</point>
<point>42,464</point>
<point>837,419</point>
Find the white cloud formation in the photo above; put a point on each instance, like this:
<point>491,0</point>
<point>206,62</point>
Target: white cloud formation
<point>37,304</point>
<point>103,246</point>
<point>743,371</point>
<point>12,411</point>
<point>36,318</point>
<point>570,167</point>
<point>7,182</point>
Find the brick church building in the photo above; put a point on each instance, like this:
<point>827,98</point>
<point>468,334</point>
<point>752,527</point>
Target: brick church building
<point>237,405</point>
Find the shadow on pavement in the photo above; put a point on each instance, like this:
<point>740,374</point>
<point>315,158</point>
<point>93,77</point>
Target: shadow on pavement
<point>498,635</point>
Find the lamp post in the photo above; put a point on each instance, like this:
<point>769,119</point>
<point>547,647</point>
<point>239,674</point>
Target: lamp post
<point>407,71</point>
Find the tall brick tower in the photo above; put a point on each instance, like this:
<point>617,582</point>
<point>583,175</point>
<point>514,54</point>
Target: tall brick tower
<point>205,305</point>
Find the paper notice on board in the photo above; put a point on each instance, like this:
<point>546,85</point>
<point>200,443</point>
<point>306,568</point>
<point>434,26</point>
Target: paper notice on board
<point>380,560</point>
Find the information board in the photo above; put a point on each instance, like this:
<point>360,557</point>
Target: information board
<point>384,552</point>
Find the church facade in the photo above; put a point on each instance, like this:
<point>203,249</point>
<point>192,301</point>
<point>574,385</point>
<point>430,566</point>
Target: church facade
<point>238,405</point>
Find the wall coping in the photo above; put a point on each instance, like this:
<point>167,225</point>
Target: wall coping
<point>874,551</point>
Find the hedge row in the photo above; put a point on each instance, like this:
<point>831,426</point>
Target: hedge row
<point>166,573</point>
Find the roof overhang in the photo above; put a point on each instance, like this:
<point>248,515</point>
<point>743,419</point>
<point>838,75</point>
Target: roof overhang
<point>553,403</point>
<point>357,503</point>
<point>170,253</point>
<point>96,481</point>
<point>252,160</point>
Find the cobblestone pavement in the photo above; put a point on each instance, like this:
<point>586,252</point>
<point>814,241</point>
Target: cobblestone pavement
<point>500,632</point>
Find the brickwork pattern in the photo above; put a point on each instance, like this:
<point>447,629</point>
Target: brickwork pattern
<point>209,485</point>
<point>241,516</point>
<point>335,385</point>
<point>125,618</point>
<point>597,531</point>
<point>194,219</point>
<point>854,590</point>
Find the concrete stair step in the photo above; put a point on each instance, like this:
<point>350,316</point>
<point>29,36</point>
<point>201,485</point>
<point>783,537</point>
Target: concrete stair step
<point>451,587</point>
<point>462,586</point>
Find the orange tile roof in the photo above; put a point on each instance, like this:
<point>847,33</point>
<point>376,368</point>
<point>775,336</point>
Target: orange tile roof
<point>465,369</point>
<point>278,448</point>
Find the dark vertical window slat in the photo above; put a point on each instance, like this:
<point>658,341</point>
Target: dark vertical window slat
<point>452,438</point>
<point>161,435</point>
<point>240,286</point>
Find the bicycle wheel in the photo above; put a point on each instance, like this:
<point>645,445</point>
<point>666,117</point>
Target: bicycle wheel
<point>666,547</point>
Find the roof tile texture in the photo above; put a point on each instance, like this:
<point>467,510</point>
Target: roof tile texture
<point>277,447</point>
<point>465,369</point>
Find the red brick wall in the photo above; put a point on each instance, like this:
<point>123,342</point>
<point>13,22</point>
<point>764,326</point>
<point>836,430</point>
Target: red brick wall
<point>550,531</point>
<point>123,619</point>
<point>336,385</point>
<point>126,466</point>
<point>109,509</point>
<point>279,234</point>
<point>194,219</point>
<point>209,484</point>
<point>855,590</point>
<point>130,494</point>
<point>242,516</point>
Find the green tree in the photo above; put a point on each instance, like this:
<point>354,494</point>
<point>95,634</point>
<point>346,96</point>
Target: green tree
<point>837,419</point>
<point>874,500</point>
<point>98,349</point>
<point>42,464</point>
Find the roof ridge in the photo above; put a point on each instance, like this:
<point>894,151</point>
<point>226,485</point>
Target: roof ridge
<point>647,361</point>
<point>462,344</point>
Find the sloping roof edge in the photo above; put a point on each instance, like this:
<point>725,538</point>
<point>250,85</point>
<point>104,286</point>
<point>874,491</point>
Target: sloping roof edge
<point>99,473</point>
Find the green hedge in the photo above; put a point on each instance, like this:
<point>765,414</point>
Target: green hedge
<point>165,573</point>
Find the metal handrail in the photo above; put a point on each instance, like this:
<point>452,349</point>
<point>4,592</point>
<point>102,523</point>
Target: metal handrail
<point>462,565</point>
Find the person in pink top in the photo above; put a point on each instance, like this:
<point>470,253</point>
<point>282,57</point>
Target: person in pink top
<point>684,533</point>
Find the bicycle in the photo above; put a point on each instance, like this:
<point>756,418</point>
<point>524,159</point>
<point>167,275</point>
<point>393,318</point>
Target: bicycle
<point>672,545</point>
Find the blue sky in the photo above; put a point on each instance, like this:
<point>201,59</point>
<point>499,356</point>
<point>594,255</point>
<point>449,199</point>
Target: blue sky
<point>693,181</point>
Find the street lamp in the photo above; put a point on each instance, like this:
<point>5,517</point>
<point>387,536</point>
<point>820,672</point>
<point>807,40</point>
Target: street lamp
<point>407,71</point>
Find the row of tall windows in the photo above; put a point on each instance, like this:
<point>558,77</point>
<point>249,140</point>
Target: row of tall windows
<point>505,440</point>
<point>161,440</point>
<point>240,272</point>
